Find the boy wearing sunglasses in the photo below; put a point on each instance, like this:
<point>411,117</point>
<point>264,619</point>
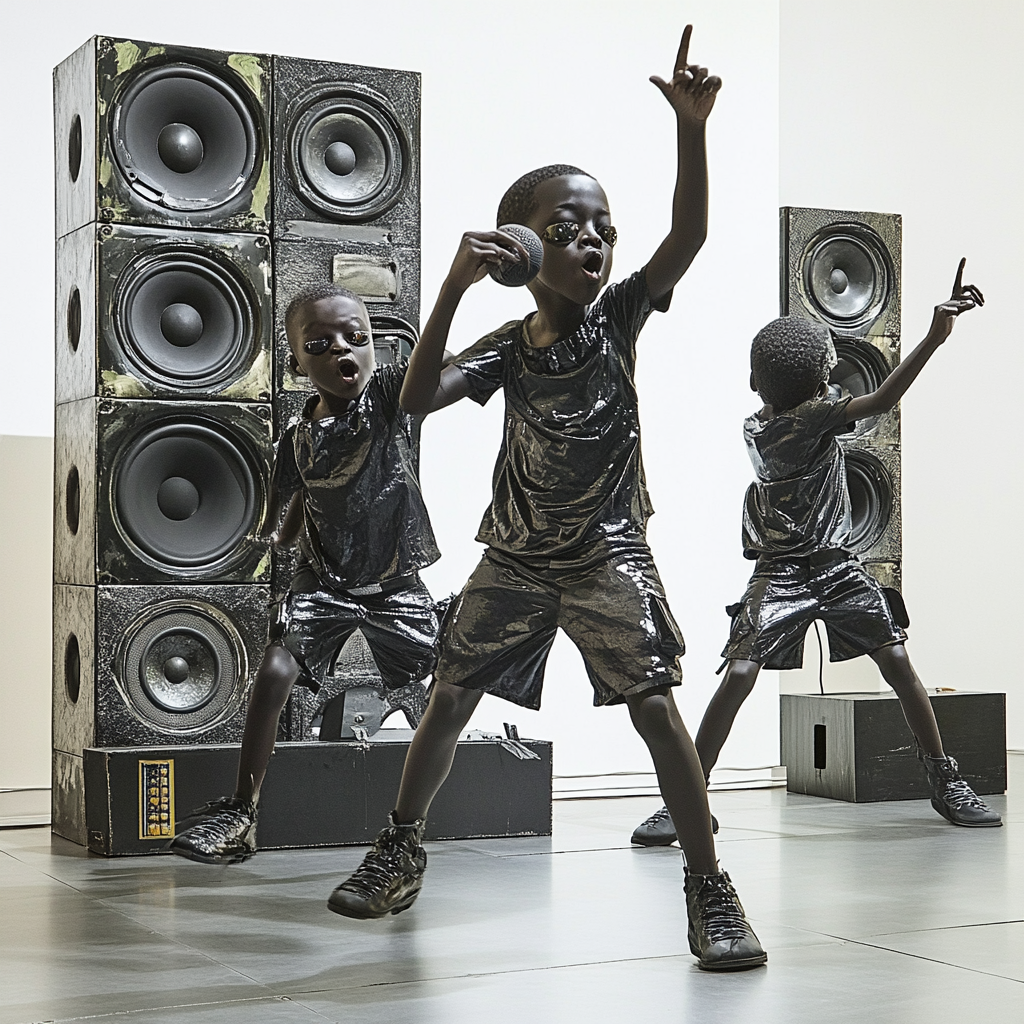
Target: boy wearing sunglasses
<point>346,471</point>
<point>565,532</point>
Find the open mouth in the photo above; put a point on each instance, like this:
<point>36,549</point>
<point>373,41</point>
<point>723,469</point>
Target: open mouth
<point>348,369</point>
<point>592,264</point>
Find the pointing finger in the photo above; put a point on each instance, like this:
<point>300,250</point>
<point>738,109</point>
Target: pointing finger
<point>957,285</point>
<point>684,46</point>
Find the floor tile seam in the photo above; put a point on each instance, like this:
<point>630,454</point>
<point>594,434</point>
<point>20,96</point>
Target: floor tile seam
<point>933,960</point>
<point>185,946</point>
<point>949,928</point>
<point>310,993</point>
<point>126,1014</point>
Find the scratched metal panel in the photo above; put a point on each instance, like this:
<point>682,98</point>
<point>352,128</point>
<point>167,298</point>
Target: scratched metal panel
<point>99,268</point>
<point>90,86</point>
<point>74,668</point>
<point>306,91</point>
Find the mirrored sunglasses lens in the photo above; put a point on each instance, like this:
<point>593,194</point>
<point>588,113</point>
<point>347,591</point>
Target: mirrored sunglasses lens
<point>609,235</point>
<point>561,233</point>
<point>317,346</point>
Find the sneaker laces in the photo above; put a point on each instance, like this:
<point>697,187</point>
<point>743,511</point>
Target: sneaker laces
<point>956,791</point>
<point>657,817</point>
<point>721,910</point>
<point>379,867</point>
<point>218,817</point>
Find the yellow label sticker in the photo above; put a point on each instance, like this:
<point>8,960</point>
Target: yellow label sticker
<point>156,799</point>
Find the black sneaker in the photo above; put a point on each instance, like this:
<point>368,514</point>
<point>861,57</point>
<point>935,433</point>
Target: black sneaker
<point>658,830</point>
<point>954,799</point>
<point>390,877</point>
<point>224,834</point>
<point>719,935</point>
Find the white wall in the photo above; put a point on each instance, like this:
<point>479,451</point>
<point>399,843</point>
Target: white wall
<point>917,109</point>
<point>506,89</point>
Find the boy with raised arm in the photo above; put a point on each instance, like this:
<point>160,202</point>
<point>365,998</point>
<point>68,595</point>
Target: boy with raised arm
<point>565,531</point>
<point>796,523</point>
<point>346,471</point>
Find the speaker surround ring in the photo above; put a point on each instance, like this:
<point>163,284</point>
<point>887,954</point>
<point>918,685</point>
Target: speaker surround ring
<point>860,369</point>
<point>336,128</point>
<point>200,104</point>
<point>871,499</point>
<point>847,275</point>
<point>206,292</point>
<point>178,633</point>
<point>190,540</point>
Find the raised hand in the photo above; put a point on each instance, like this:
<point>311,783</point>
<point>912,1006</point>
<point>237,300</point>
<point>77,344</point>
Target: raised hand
<point>964,297</point>
<point>691,91</point>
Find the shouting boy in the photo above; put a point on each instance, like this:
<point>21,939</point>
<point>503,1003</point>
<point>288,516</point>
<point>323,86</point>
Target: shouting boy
<point>565,531</point>
<point>346,470</point>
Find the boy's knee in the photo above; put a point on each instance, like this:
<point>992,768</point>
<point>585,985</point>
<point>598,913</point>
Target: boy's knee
<point>277,674</point>
<point>453,701</point>
<point>654,714</point>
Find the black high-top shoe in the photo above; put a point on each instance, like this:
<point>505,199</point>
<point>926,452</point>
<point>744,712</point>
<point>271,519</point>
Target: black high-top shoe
<point>658,830</point>
<point>225,832</point>
<point>719,934</point>
<point>953,798</point>
<point>390,877</point>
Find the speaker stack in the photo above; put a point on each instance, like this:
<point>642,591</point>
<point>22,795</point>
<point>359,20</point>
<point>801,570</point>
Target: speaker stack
<point>197,192</point>
<point>843,269</point>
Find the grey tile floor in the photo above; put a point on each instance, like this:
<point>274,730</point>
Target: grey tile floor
<point>871,913</point>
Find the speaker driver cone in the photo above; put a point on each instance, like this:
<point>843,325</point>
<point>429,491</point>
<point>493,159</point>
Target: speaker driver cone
<point>847,275</point>
<point>184,319</point>
<point>347,154</point>
<point>871,498</point>
<point>181,666</point>
<point>186,494</point>
<point>859,370</point>
<point>184,137</point>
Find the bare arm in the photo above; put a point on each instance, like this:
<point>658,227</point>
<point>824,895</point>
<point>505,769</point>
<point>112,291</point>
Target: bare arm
<point>429,384</point>
<point>288,532</point>
<point>895,386</point>
<point>691,92</point>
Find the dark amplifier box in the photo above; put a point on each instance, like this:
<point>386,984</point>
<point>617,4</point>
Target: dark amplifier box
<point>858,746</point>
<point>315,793</point>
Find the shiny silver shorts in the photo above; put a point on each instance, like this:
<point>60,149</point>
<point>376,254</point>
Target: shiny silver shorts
<point>785,595</point>
<point>498,631</point>
<point>400,625</point>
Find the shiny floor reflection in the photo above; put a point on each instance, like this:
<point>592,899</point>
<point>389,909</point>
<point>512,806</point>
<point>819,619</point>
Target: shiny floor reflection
<point>870,912</point>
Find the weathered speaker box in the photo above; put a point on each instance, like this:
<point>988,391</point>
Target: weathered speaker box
<point>148,492</point>
<point>147,133</point>
<point>842,268</point>
<point>166,313</point>
<point>142,665</point>
<point>346,162</point>
<point>858,747</point>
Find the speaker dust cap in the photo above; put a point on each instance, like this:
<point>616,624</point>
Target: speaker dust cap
<point>184,137</point>
<point>186,494</point>
<point>847,275</point>
<point>347,152</point>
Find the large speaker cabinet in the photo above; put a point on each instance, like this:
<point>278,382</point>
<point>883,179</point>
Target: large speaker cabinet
<point>843,269</point>
<point>197,192</point>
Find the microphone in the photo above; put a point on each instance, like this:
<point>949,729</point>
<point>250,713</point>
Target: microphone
<point>515,274</point>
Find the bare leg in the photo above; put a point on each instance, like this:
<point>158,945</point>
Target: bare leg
<point>680,776</point>
<point>897,671</point>
<point>720,713</point>
<point>274,681</point>
<point>433,748</point>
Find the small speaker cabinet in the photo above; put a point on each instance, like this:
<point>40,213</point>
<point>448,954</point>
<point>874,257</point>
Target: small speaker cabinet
<point>858,747</point>
<point>315,794</point>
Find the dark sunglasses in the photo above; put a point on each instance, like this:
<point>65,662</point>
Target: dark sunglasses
<point>318,346</point>
<point>565,232</point>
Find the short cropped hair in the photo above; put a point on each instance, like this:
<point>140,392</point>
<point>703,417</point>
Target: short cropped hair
<point>789,359</point>
<point>312,294</point>
<point>519,202</point>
